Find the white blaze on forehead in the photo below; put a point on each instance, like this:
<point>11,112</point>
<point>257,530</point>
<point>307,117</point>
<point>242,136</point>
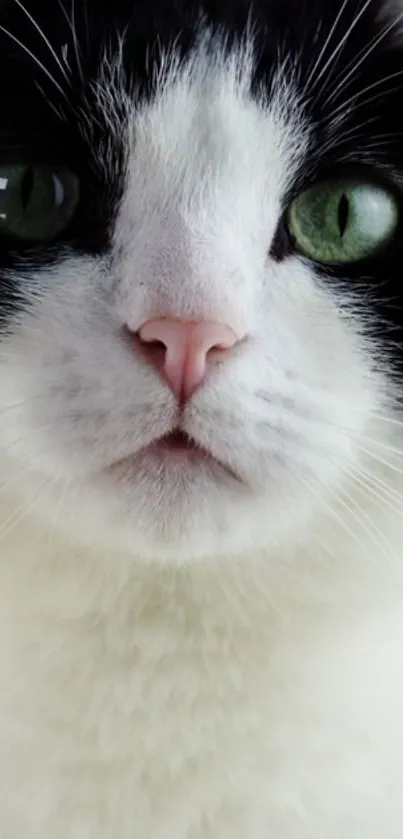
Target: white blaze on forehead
<point>208,166</point>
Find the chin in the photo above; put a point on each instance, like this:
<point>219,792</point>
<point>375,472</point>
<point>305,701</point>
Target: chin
<point>177,504</point>
<point>164,510</point>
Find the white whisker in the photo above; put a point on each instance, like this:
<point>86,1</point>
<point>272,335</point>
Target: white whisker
<point>354,133</point>
<point>59,505</point>
<point>44,38</point>
<point>86,23</point>
<point>362,518</point>
<point>336,52</point>
<point>330,509</point>
<point>35,59</point>
<point>10,523</point>
<point>368,51</point>
<point>59,113</point>
<point>370,489</point>
<point>360,104</point>
<point>386,447</point>
<point>326,44</point>
<point>10,484</point>
<point>383,485</point>
<point>72,25</point>
<point>389,420</point>
<point>374,456</point>
<point>360,437</point>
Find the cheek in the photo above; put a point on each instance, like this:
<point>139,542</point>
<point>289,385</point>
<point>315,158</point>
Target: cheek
<point>285,414</point>
<point>299,328</point>
<point>71,387</point>
<point>316,365</point>
<point>301,388</point>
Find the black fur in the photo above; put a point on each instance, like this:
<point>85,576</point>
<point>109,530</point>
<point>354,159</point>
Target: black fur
<point>308,33</point>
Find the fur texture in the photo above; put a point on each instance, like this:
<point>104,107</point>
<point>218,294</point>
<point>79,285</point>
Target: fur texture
<point>200,650</point>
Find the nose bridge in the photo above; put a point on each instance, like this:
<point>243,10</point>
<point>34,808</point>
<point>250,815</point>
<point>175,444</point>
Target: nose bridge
<point>201,273</point>
<point>195,254</point>
<point>186,279</point>
<point>195,264</point>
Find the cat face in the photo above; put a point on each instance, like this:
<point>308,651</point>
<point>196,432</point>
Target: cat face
<point>240,167</point>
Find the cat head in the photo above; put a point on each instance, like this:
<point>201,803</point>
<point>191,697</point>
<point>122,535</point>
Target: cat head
<point>167,168</point>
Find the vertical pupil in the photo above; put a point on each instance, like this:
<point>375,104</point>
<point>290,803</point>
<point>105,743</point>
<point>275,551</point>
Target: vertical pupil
<point>27,185</point>
<point>343,214</point>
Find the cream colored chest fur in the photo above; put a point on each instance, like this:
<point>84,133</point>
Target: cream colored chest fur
<point>180,705</point>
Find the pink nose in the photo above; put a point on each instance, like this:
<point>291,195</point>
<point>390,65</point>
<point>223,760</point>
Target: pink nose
<point>182,351</point>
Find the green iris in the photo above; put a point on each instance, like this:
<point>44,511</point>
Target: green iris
<point>36,202</point>
<point>340,221</point>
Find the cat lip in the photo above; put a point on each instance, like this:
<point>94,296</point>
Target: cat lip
<point>177,442</point>
<point>174,447</point>
<point>180,447</point>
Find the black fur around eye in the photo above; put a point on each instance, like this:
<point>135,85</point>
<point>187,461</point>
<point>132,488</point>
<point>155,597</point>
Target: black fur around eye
<point>37,202</point>
<point>282,245</point>
<point>343,220</point>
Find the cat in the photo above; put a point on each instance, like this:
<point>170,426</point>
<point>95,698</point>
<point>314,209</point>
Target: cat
<point>201,433</point>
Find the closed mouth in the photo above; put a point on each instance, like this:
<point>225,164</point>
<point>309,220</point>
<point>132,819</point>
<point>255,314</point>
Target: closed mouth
<point>176,447</point>
<point>180,447</point>
<point>177,442</point>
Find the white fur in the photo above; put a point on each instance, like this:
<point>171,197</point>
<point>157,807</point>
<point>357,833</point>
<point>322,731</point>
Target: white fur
<point>183,656</point>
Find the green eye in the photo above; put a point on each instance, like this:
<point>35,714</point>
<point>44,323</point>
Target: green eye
<point>36,202</point>
<point>343,221</point>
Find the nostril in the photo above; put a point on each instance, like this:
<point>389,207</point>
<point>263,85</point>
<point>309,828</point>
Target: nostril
<point>154,352</point>
<point>154,344</point>
<point>182,351</point>
<point>146,348</point>
<point>219,348</point>
<point>216,355</point>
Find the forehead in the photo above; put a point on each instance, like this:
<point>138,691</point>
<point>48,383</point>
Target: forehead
<point>67,47</point>
<point>204,157</point>
<point>174,81</point>
<point>67,41</point>
<point>82,75</point>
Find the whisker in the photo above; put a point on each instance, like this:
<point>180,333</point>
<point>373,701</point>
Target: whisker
<point>10,484</point>
<point>35,59</point>
<point>16,442</point>
<point>326,44</point>
<point>21,512</point>
<point>360,437</point>
<point>336,52</point>
<point>386,447</point>
<point>14,406</point>
<point>44,38</point>
<point>368,488</point>
<point>72,25</point>
<point>383,543</point>
<point>334,514</point>
<point>381,460</point>
<point>390,420</point>
<point>354,133</point>
<point>382,485</point>
<point>74,500</point>
<point>366,54</point>
<point>59,113</point>
<point>86,23</point>
<point>62,496</point>
<point>361,93</point>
